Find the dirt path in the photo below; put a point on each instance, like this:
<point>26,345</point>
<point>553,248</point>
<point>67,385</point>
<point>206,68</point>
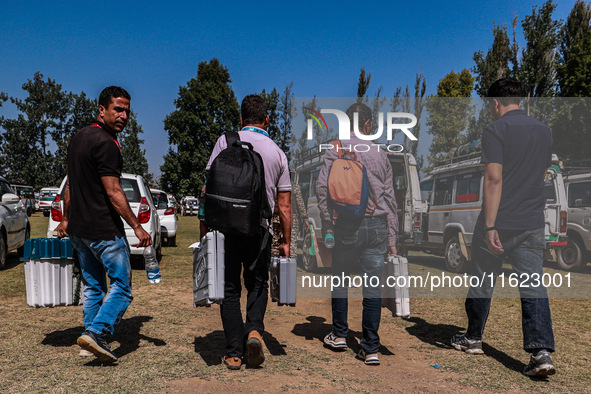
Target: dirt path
<point>297,360</point>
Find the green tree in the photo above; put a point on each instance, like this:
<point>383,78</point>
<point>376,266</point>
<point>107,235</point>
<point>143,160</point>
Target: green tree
<point>538,64</point>
<point>362,85</point>
<point>448,118</point>
<point>286,108</point>
<point>206,107</point>
<point>496,63</point>
<point>574,70</point>
<point>272,100</point>
<point>134,157</point>
<point>42,118</point>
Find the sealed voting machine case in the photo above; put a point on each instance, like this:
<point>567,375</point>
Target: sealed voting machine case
<point>51,276</point>
<point>395,286</point>
<point>208,270</point>
<point>283,278</point>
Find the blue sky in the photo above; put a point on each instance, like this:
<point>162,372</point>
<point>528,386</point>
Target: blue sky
<point>152,48</point>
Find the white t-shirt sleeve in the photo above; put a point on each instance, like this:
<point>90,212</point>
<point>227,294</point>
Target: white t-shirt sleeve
<point>220,145</point>
<point>284,183</point>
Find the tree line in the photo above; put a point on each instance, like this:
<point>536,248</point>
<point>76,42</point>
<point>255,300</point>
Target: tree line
<point>33,146</point>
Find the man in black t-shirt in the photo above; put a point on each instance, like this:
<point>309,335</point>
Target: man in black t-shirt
<point>94,204</point>
<point>516,152</point>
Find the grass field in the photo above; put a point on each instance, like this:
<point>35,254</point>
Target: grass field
<point>164,344</point>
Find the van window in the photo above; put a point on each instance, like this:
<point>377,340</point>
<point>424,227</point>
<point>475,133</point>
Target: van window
<point>443,190</point>
<point>468,188</point>
<point>550,191</point>
<point>579,194</point>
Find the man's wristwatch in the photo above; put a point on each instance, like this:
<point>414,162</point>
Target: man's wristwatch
<point>487,229</point>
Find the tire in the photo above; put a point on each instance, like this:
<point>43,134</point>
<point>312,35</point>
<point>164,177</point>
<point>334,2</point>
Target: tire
<point>21,250</point>
<point>172,241</point>
<point>46,214</point>
<point>3,250</point>
<point>454,260</point>
<point>570,257</point>
<point>308,261</point>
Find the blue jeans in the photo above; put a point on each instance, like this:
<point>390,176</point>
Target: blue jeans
<point>526,257</point>
<point>364,246</point>
<point>97,259</point>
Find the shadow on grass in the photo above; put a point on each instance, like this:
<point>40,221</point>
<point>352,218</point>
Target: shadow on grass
<point>12,261</point>
<point>439,335</point>
<point>317,329</point>
<point>212,347</point>
<point>127,334</point>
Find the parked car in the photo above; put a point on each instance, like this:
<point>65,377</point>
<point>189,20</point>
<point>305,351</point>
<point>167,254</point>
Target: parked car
<point>577,251</point>
<point>189,206</point>
<point>454,193</point>
<point>166,213</point>
<point>141,203</point>
<point>46,196</point>
<point>27,196</point>
<point>14,223</point>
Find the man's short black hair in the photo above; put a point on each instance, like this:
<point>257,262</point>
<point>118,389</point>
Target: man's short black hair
<point>253,110</point>
<point>110,92</point>
<point>364,114</point>
<point>506,90</point>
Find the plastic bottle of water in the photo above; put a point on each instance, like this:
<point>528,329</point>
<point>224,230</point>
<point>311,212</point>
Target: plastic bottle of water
<point>151,264</point>
<point>329,239</point>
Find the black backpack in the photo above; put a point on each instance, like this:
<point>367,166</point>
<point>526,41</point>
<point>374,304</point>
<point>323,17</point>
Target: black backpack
<point>235,194</point>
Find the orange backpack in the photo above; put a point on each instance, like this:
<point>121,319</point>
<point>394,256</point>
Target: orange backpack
<point>348,185</point>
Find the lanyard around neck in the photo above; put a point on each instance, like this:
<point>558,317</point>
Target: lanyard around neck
<point>256,130</point>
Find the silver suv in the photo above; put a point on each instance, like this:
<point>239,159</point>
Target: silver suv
<point>575,254</point>
<point>14,223</point>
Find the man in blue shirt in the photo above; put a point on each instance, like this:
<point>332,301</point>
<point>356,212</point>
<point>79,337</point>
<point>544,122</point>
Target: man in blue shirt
<point>516,152</point>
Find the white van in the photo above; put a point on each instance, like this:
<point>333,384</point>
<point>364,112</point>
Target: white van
<point>306,221</point>
<point>454,194</point>
<point>46,196</point>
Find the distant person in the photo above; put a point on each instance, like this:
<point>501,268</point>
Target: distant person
<point>516,151</point>
<point>242,251</point>
<point>360,243</point>
<point>93,206</point>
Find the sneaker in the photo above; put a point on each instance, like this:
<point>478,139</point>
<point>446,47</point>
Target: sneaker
<point>368,358</point>
<point>97,345</point>
<point>233,363</point>
<point>254,349</point>
<point>334,342</point>
<point>85,353</point>
<point>540,365</point>
<point>470,346</point>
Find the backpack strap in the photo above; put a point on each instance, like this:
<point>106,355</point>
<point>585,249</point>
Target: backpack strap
<point>343,154</point>
<point>231,137</point>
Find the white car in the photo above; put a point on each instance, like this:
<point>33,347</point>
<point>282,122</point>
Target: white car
<point>140,201</point>
<point>46,196</point>
<point>167,215</point>
<point>14,223</point>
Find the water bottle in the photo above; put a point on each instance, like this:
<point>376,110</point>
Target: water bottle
<point>329,239</point>
<point>151,264</point>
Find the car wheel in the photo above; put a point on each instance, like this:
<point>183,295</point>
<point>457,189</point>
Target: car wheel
<point>570,257</point>
<point>172,241</point>
<point>454,260</point>
<point>46,214</point>
<point>308,260</point>
<point>3,250</point>
<point>21,250</point>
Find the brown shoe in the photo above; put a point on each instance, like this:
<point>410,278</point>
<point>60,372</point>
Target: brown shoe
<point>233,363</point>
<point>254,349</point>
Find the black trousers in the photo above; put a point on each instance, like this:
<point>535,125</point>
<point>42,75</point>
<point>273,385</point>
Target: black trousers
<point>241,253</point>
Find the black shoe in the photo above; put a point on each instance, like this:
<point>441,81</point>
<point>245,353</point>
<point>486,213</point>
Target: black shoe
<point>540,365</point>
<point>470,346</point>
<point>97,345</point>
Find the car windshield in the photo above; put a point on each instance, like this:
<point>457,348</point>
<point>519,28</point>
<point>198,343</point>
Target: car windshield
<point>131,189</point>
